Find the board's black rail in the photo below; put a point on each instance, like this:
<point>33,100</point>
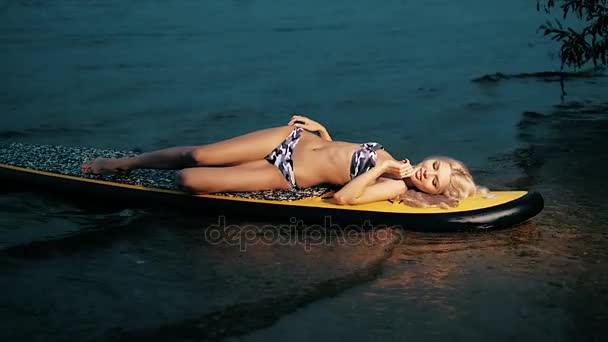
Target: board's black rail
<point>500,216</point>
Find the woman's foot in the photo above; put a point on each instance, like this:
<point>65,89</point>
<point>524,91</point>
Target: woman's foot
<point>105,165</point>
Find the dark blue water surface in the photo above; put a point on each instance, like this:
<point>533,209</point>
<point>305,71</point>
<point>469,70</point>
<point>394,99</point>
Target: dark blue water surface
<point>148,74</point>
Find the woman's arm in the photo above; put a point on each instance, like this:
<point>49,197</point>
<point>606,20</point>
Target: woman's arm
<point>310,125</point>
<point>369,188</point>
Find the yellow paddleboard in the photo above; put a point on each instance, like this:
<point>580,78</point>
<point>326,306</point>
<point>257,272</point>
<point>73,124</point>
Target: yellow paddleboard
<point>58,168</point>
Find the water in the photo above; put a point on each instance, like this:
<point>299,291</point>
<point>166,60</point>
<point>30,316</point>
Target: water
<point>151,74</point>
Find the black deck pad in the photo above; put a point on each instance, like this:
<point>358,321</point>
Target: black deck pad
<point>67,160</point>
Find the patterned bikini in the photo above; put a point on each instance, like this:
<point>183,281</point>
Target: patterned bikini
<point>363,160</point>
<point>282,156</point>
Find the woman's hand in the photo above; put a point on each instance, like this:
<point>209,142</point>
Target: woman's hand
<point>401,169</point>
<point>309,125</point>
<point>306,123</point>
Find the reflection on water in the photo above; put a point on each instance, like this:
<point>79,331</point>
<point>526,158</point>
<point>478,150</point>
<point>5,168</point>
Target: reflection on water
<point>161,283</point>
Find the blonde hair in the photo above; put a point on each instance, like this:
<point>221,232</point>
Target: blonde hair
<point>461,186</point>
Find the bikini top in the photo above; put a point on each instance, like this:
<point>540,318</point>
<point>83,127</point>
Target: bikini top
<point>364,158</point>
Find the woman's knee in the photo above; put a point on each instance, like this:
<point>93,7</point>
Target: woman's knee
<point>204,156</point>
<point>189,181</point>
<point>197,156</point>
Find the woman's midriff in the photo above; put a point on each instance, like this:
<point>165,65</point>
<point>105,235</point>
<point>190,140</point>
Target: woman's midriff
<point>316,161</point>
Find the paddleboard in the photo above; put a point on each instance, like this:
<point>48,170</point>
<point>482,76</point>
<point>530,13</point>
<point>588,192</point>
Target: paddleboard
<point>57,168</point>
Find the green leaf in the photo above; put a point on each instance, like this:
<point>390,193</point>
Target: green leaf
<point>558,23</point>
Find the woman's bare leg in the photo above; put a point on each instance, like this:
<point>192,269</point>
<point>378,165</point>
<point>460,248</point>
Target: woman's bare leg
<point>241,149</point>
<point>252,176</point>
<point>169,158</point>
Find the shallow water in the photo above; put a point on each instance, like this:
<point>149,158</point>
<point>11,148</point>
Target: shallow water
<point>150,74</point>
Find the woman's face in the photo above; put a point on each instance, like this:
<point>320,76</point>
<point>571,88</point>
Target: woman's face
<point>432,176</point>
